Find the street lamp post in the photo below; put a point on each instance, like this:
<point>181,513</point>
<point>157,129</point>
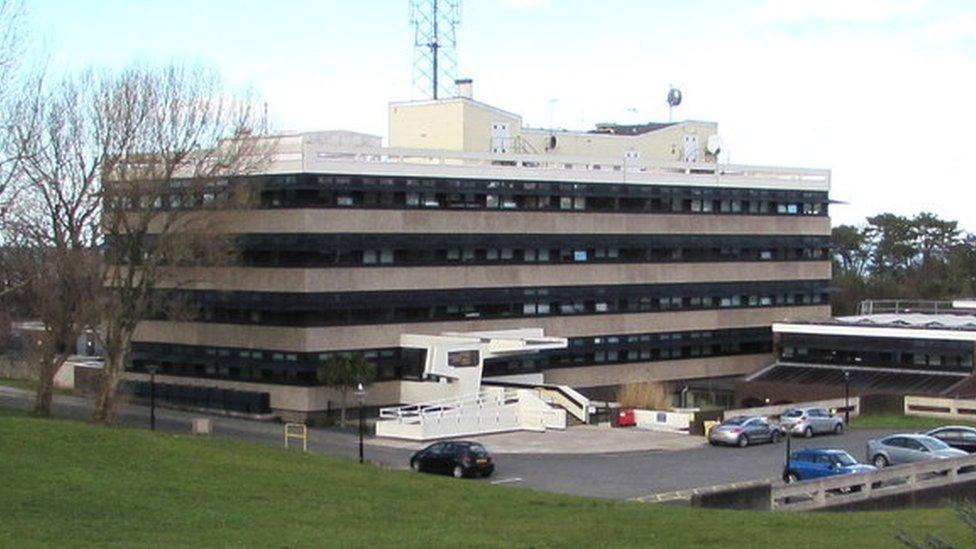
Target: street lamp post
<point>786,469</point>
<point>152,368</point>
<point>361,395</point>
<point>847,398</point>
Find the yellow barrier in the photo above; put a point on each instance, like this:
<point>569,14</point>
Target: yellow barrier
<point>299,431</point>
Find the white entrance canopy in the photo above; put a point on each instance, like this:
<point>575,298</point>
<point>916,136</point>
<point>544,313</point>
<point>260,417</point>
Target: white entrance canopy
<point>458,357</point>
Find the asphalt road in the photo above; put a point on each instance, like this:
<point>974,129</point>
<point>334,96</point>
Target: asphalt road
<point>612,475</point>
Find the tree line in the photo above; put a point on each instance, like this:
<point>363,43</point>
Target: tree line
<point>891,256</point>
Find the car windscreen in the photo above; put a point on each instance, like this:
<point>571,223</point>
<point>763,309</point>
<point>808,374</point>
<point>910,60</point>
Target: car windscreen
<point>793,413</point>
<point>843,459</point>
<point>934,444</point>
<point>478,450</point>
<point>735,421</point>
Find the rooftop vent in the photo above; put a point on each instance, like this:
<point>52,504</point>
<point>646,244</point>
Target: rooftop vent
<point>464,88</point>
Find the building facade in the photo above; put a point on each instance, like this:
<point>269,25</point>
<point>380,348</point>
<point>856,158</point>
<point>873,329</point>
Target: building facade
<point>653,269</point>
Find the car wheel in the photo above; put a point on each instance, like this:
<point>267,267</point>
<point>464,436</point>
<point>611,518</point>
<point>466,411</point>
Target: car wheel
<point>415,465</point>
<point>458,471</point>
<point>791,478</point>
<point>880,461</point>
<point>776,437</point>
<point>808,432</point>
<point>743,441</point>
<point>839,429</point>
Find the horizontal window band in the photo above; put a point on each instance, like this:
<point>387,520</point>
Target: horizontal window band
<point>396,363</point>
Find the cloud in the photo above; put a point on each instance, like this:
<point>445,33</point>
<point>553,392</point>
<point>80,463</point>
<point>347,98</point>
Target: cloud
<point>962,28</point>
<point>832,11</point>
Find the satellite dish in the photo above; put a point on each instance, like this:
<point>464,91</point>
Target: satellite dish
<point>714,144</point>
<point>674,97</point>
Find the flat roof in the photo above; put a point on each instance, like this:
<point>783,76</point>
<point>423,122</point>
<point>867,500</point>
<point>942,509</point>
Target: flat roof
<point>884,379</point>
<point>956,327</point>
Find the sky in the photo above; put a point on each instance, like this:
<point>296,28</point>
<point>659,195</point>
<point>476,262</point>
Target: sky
<point>881,92</point>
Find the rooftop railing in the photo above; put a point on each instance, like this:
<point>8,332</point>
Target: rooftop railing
<point>516,166</point>
<point>899,306</point>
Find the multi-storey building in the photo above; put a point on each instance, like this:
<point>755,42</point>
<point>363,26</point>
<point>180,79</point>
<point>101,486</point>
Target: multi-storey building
<point>654,260</point>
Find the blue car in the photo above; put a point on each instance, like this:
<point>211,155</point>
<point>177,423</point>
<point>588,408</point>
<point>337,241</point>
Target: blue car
<point>810,463</point>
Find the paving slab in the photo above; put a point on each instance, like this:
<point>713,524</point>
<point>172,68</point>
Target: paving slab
<point>580,439</point>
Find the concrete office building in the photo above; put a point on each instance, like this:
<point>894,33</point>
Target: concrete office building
<point>655,261</point>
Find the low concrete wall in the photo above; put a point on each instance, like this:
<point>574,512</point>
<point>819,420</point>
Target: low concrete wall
<point>657,420</point>
<point>945,408</point>
<point>832,404</point>
<point>755,497</point>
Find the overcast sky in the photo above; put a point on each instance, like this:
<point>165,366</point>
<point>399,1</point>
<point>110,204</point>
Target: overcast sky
<point>881,92</point>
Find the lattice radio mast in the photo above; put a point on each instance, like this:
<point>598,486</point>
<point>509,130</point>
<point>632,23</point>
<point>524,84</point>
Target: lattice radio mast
<point>435,44</point>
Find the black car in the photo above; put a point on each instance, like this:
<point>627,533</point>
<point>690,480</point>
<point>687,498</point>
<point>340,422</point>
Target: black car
<point>957,436</point>
<point>460,458</point>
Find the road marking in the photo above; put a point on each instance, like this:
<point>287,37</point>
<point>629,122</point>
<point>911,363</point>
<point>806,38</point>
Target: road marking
<point>507,480</point>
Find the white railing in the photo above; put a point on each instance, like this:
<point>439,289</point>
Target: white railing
<point>847,489</point>
<point>452,406</point>
<point>570,167</point>
<point>895,306</point>
<point>946,408</point>
<point>489,411</point>
<point>836,404</point>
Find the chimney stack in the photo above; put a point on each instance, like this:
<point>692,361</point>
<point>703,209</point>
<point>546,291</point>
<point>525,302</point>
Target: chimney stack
<point>464,88</point>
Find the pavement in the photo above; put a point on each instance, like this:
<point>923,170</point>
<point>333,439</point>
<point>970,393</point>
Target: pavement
<point>583,460</point>
<point>581,439</point>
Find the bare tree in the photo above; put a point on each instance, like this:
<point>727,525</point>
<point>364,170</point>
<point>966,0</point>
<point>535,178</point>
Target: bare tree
<point>11,47</point>
<point>189,141</point>
<point>121,167</point>
<point>53,224</point>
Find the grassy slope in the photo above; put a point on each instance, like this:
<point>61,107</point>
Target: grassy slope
<point>67,483</point>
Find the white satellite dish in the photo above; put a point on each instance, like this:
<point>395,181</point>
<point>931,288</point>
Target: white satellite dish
<point>714,144</point>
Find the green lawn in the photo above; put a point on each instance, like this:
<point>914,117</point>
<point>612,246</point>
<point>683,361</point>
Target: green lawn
<point>69,483</point>
<point>30,385</point>
<point>907,423</point>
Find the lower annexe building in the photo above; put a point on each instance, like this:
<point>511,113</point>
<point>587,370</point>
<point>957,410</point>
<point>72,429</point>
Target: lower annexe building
<point>652,273</point>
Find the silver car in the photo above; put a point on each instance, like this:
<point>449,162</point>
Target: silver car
<point>908,448</point>
<point>810,421</point>
<point>742,431</point>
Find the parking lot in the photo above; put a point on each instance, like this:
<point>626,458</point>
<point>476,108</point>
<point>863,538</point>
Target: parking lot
<point>637,474</point>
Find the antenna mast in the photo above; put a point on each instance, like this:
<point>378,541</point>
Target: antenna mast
<point>435,44</point>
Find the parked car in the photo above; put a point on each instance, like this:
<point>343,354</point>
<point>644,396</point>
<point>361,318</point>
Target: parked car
<point>460,458</point>
<point>810,421</point>
<point>908,448</point>
<point>744,430</point>
<point>957,436</point>
<point>808,463</point>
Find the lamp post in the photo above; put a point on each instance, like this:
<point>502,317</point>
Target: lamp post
<point>847,398</point>
<point>152,369</point>
<point>361,396</point>
<point>786,469</point>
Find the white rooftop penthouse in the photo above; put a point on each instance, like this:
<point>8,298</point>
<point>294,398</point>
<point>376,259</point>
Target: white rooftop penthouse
<point>461,137</point>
